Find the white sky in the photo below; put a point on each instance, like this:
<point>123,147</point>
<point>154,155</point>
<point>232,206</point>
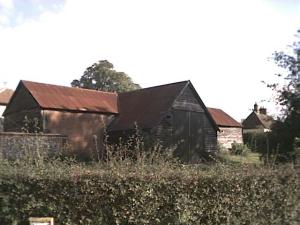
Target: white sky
<point>221,46</point>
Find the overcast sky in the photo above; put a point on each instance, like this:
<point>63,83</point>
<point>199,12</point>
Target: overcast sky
<point>221,46</point>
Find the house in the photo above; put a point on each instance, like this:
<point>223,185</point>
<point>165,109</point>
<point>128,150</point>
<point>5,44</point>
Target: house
<point>81,114</point>
<point>230,130</point>
<point>174,114</point>
<point>5,95</point>
<point>258,121</point>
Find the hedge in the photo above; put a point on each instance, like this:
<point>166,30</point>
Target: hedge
<point>182,195</point>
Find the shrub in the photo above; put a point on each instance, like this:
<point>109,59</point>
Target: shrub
<point>239,149</point>
<point>100,193</point>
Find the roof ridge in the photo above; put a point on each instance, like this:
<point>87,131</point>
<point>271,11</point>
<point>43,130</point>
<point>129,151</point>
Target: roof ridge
<point>74,88</point>
<point>157,86</point>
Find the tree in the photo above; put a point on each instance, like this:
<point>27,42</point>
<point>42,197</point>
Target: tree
<point>288,128</point>
<point>102,76</point>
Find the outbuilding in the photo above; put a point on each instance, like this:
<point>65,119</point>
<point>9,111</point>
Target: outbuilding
<point>230,131</point>
<point>173,114</point>
<point>81,114</point>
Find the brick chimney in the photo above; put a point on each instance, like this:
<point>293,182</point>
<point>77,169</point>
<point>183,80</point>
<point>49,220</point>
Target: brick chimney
<point>263,111</point>
<point>255,108</point>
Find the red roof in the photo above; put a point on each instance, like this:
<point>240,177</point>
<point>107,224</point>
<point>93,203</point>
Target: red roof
<point>5,95</point>
<point>50,96</point>
<point>222,119</point>
<point>145,107</point>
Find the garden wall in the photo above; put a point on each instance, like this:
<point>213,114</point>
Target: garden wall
<point>14,145</point>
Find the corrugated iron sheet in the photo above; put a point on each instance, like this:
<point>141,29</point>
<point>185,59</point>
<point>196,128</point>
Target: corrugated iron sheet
<point>223,119</point>
<point>50,96</point>
<point>5,95</point>
<point>145,106</point>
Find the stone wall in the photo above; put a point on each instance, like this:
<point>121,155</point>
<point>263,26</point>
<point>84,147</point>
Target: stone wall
<point>228,135</point>
<point>17,145</point>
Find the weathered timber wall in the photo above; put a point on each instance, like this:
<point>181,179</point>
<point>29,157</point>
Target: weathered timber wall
<point>210,136</point>
<point>22,104</point>
<point>187,101</point>
<point>228,135</point>
<point>20,101</point>
<point>15,122</point>
<point>163,132</point>
<point>15,145</point>
<point>191,128</point>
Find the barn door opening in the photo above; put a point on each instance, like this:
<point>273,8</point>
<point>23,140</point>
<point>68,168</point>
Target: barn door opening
<point>188,135</point>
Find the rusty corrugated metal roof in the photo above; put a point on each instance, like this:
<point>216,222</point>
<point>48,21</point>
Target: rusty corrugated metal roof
<point>145,106</point>
<point>222,119</point>
<point>5,95</point>
<point>50,96</point>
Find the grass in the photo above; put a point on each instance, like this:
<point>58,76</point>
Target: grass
<point>249,158</point>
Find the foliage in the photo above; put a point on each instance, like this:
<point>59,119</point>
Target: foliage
<point>102,76</point>
<point>239,154</point>
<point>93,194</point>
<point>286,130</point>
<point>31,125</point>
<point>239,149</point>
<point>257,141</point>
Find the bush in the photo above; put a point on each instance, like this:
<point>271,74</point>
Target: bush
<point>239,149</point>
<point>257,142</point>
<point>160,193</point>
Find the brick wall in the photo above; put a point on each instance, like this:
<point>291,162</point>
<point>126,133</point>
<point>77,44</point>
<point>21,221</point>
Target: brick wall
<point>228,135</point>
<point>15,145</point>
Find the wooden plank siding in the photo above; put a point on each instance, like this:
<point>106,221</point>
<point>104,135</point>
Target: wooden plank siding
<point>187,101</point>
<point>186,126</point>
<point>22,105</point>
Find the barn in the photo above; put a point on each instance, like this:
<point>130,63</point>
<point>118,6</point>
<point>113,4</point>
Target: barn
<point>81,114</point>
<point>5,95</point>
<point>174,114</point>
<point>230,130</point>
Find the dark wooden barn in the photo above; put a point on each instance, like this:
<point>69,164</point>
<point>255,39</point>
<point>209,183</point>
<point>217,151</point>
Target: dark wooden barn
<point>173,114</point>
<point>81,114</point>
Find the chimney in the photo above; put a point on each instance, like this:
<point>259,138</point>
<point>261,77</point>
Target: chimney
<point>255,109</point>
<point>262,111</point>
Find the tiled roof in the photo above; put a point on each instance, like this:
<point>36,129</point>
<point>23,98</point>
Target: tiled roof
<point>145,107</point>
<point>222,119</point>
<point>5,95</point>
<point>50,96</point>
<point>266,120</point>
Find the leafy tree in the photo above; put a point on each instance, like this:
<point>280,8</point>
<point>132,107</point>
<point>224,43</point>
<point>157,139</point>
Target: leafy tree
<point>102,76</point>
<point>288,128</point>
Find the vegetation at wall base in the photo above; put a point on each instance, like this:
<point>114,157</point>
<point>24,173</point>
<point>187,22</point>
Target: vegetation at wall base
<point>145,193</point>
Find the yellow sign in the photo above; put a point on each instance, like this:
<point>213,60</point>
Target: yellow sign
<point>41,221</point>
